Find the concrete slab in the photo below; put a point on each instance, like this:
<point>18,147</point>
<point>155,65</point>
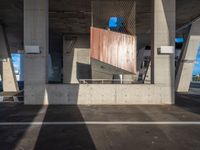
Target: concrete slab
<point>102,136</point>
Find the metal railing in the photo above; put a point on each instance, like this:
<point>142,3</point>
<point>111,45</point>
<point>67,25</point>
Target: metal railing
<point>107,81</point>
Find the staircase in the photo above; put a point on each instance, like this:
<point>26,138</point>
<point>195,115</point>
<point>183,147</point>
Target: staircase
<point>16,97</point>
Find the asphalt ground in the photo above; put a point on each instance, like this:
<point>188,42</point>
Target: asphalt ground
<point>155,127</point>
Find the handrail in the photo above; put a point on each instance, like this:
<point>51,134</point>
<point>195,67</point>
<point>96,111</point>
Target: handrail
<point>103,81</point>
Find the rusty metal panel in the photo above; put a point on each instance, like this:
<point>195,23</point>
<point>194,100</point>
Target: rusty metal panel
<point>114,48</point>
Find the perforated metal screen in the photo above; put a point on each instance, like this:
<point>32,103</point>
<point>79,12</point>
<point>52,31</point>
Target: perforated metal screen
<point>115,15</point>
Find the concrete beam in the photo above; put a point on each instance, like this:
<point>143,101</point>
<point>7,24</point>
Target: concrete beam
<point>7,70</point>
<point>35,65</point>
<point>188,58</point>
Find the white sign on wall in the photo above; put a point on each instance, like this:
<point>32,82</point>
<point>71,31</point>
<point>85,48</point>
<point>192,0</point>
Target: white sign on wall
<point>32,49</point>
<point>167,50</point>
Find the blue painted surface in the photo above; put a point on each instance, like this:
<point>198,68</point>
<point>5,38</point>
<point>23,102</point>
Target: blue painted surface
<point>196,70</point>
<point>16,58</point>
<point>179,40</point>
<point>116,22</point>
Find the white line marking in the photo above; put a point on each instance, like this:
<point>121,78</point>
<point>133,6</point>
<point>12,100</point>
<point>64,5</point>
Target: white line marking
<point>101,123</point>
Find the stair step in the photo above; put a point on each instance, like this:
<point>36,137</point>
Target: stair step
<point>11,97</point>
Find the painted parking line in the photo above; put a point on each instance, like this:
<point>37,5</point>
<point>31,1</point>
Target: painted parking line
<point>102,123</point>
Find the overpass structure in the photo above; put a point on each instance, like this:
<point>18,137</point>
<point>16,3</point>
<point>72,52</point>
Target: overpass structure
<point>96,49</point>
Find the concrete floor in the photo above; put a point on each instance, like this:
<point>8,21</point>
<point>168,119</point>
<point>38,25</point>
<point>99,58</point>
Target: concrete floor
<point>101,137</point>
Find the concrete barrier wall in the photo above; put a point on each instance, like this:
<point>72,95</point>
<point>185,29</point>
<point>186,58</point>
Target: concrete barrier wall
<point>96,94</point>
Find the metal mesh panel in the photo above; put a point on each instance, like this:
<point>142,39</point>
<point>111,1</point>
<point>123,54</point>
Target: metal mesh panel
<point>115,15</point>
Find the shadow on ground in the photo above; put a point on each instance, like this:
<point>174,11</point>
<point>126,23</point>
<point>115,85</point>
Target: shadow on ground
<point>92,137</point>
<point>188,102</point>
<point>28,137</point>
<point>10,136</point>
<point>61,137</point>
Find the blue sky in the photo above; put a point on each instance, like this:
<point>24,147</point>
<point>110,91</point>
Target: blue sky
<point>197,65</point>
<point>16,61</point>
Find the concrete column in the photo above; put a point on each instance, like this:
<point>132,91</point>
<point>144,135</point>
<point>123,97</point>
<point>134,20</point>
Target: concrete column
<point>76,65</point>
<point>184,73</point>
<point>56,67</point>
<point>35,65</point>
<point>147,78</point>
<point>1,71</point>
<point>76,58</point>
<point>163,34</point>
<point>7,69</point>
<point>69,72</point>
<point>22,67</point>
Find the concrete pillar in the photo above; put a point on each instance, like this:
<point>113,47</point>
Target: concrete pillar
<point>7,69</point>
<point>69,72</point>
<point>56,67</point>
<point>0,70</point>
<point>76,65</point>
<point>76,58</point>
<point>147,77</point>
<point>185,68</point>
<point>140,58</point>
<point>22,67</point>
<point>163,34</point>
<point>35,65</point>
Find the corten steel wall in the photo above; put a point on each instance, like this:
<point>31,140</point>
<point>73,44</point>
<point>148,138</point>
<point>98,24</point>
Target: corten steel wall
<point>114,48</point>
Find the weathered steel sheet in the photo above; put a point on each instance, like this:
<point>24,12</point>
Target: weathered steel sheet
<point>114,48</point>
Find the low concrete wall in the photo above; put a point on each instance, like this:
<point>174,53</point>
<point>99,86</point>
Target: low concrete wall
<point>89,94</point>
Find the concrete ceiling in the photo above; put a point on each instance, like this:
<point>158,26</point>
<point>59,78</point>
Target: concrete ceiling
<point>11,16</point>
<point>73,16</point>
